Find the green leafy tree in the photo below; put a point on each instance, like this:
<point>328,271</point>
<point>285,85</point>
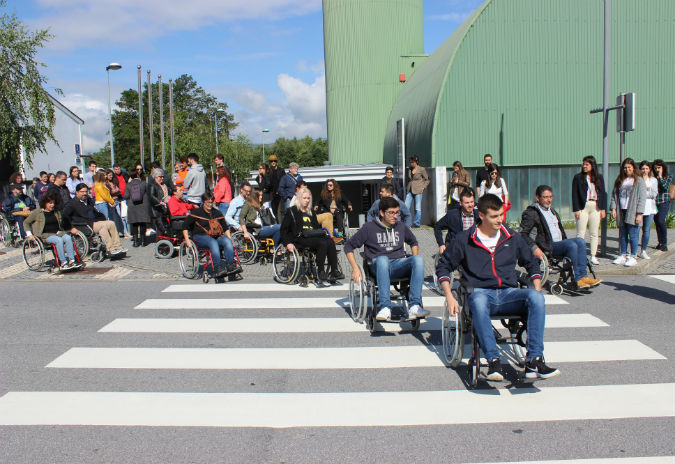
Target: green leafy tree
<point>306,151</point>
<point>26,110</point>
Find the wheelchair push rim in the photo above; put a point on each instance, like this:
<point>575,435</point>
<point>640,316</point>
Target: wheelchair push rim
<point>247,249</point>
<point>188,260</point>
<point>33,254</point>
<point>453,334</point>
<point>286,264</point>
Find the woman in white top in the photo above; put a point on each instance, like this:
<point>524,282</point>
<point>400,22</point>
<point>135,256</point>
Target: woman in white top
<point>627,206</point>
<point>496,185</point>
<point>652,191</point>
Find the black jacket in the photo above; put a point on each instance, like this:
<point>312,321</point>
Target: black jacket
<point>535,231</point>
<point>78,213</point>
<point>324,205</point>
<point>155,193</point>
<point>62,195</point>
<point>580,189</point>
<point>483,269</point>
<point>292,225</point>
<point>397,183</point>
<point>452,222</point>
<point>265,184</point>
<point>482,175</point>
<point>276,175</point>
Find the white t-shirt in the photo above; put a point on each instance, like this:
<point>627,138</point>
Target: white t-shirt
<point>489,242</point>
<point>624,192</point>
<point>494,189</point>
<point>652,191</point>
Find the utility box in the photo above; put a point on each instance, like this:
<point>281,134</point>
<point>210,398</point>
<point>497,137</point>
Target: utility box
<point>625,118</point>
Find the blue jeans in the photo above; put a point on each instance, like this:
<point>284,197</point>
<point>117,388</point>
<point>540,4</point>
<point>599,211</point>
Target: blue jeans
<point>660,219</point>
<point>486,302</point>
<point>65,241</point>
<point>125,224</point>
<point>646,230</point>
<point>103,209</point>
<point>574,249</point>
<point>273,231</point>
<point>418,206</point>
<point>223,207</point>
<point>385,269</point>
<point>215,245</point>
<point>628,232</point>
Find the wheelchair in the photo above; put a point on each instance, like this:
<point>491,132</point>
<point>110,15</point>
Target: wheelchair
<point>193,259</point>
<point>363,298</point>
<point>89,242</point>
<point>169,236</point>
<point>297,266</point>
<point>35,256</point>
<point>454,330</point>
<point>10,234</point>
<point>254,249</point>
<point>561,266</point>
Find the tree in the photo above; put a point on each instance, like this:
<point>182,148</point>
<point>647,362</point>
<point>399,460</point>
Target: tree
<point>26,109</point>
<point>306,151</point>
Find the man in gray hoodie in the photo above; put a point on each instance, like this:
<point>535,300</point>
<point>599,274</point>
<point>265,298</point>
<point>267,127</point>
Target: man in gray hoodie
<point>383,240</point>
<point>195,180</point>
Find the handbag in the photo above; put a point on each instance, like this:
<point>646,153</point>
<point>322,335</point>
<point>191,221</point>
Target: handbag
<point>313,233</point>
<point>215,228</point>
<point>266,217</point>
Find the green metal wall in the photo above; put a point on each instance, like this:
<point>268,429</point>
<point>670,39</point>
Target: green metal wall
<point>363,43</point>
<point>527,73</point>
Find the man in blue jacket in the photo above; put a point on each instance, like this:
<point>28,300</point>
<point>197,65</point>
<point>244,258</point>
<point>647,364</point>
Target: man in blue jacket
<point>287,186</point>
<point>383,240</point>
<point>488,253</point>
<point>457,219</point>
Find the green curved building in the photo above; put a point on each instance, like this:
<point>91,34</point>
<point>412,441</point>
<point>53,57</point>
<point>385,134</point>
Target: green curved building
<point>517,79</point>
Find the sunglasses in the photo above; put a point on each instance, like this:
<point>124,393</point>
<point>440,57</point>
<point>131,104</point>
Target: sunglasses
<point>329,185</point>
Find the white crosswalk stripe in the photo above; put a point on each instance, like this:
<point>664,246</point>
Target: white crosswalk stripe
<point>670,278</point>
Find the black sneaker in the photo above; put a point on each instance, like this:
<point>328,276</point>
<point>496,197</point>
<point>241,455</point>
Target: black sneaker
<point>537,369</point>
<point>337,275</point>
<point>323,276</point>
<point>220,270</point>
<point>495,371</point>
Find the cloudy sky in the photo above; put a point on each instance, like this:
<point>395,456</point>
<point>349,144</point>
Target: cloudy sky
<point>263,57</point>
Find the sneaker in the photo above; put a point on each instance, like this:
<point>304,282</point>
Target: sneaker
<point>233,269</point>
<point>323,276</point>
<point>581,283</point>
<point>591,281</point>
<point>494,372</point>
<point>663,247</point>
<point>594,261</point>
<point>417,312</point>
<point>644,255</point>
<point>64,267</point>
<point>537,369</point>
<point>620,261</point>
<point>338,240</point>
<point>78,265</point>
<point>220,270</point>
<point>383,314</point>
<point>630,262</point>
<point>337,275</point>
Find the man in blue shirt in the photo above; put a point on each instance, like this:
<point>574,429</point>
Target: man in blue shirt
<point>387,190</point>
<point>233,211</point>
<point>287,187</point>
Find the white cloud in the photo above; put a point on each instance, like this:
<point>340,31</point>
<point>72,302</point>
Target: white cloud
<point>307,102</point>
<point>316,67</point>
<point>78,22</point>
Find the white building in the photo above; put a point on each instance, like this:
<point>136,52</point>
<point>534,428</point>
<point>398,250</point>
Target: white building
<point>61,156</point>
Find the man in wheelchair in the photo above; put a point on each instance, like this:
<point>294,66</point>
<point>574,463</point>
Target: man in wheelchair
<point>383,240</point>
<point>17,206</point>
<point>79,212</point>
<point>541,228</point>
<point>488,253</point>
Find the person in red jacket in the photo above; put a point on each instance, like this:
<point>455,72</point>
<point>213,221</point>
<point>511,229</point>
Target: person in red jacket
<point>178,206</point>
<point>222,193</point>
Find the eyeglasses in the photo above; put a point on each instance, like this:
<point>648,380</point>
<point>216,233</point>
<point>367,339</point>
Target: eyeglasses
<point>272,161</point>
<point>329,185</point>
<point>494,173</point>
<point>392,213</point>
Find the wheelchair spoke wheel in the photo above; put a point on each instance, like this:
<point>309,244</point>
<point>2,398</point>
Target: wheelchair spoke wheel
<point>453,333</point>
<point>98,256</point>
<point>286,265</point>
<point>188,260</point>
<point>33,254</point>
<point>81,244</point>
<point>371,312</point>
<point>164,249</point>
<point>437,285</point>
<point>5,232</point>
<point>247,249</point>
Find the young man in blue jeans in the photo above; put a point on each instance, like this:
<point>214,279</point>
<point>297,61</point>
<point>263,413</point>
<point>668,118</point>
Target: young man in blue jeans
<point>488,254</point>
<point>383,240</point>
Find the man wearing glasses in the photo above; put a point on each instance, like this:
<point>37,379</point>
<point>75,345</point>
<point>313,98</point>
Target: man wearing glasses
<point>233,211</point>
<point>383,241</point>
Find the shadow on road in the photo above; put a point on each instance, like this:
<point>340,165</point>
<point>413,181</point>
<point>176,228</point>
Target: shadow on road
<point>644,292</point>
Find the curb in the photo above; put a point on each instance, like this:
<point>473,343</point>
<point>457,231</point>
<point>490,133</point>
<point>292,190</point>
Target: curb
<point>641,269</point>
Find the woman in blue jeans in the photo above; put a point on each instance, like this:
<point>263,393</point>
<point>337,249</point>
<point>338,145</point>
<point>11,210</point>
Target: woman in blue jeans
<point>627,206</point>
<point>251,218</point>
<point>209,230</point>
<point>662,202</point>
<point>418,181</point>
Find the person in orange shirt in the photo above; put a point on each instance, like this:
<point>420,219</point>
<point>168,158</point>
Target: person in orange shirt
<point>182,172</point>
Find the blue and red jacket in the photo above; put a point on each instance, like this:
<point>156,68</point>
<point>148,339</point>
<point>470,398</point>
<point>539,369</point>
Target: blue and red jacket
<point>485,269</point>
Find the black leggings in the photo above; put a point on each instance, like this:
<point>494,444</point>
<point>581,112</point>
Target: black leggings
<point>138,231</point>
<point>323,246</point>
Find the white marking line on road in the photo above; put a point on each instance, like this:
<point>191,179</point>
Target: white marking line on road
<point>633,460</point>
<point>281,303</point>
<point>323,358</point>
<point>666,278</point>
<point>302,325</point>
<point>12,270</point>
<point>117,272</point>
<point>353,409</point>
<point>250,287</point>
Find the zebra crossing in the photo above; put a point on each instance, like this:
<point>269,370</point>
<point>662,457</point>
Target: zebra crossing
<point>201,310</point>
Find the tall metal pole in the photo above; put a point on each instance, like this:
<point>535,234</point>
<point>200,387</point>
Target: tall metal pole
<point>150,128</point>
<point>161,119</point>
<point>173,152</point>
<point>216,117</point>
<point>140,117</point>
<point>112,149</point>
<point>605,120</point>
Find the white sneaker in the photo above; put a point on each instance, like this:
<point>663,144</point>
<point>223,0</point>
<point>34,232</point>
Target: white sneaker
<point>383,314</point>
<point>644,255</point>
<point>630,262</point>
<point>594,261</point>
<point>621,260</point>
<point>416,311</point>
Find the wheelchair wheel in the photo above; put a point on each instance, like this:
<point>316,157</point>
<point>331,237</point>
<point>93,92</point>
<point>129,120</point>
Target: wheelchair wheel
<point>188,259</point>
<point>520,348</point>
<point>81,244</point>
<point>205,277</point>
<point>98,256</point>
<point>371,312</point>
<point>5,232</point>
<point>33,254</point>
<point>246,249</point>
<point>346,232</point>
<point>437,285</point>
<point>357,296</point>
<point>164,249</point>
<point>557,289</point>
<point>286,264</point>
<point>453,333</point>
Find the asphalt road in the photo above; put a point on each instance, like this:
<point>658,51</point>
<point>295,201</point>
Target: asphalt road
<point>111,374</point>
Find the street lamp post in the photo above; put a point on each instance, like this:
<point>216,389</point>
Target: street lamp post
<point>262,138</point>
<point>219,110</point>
<point>114,67</point>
